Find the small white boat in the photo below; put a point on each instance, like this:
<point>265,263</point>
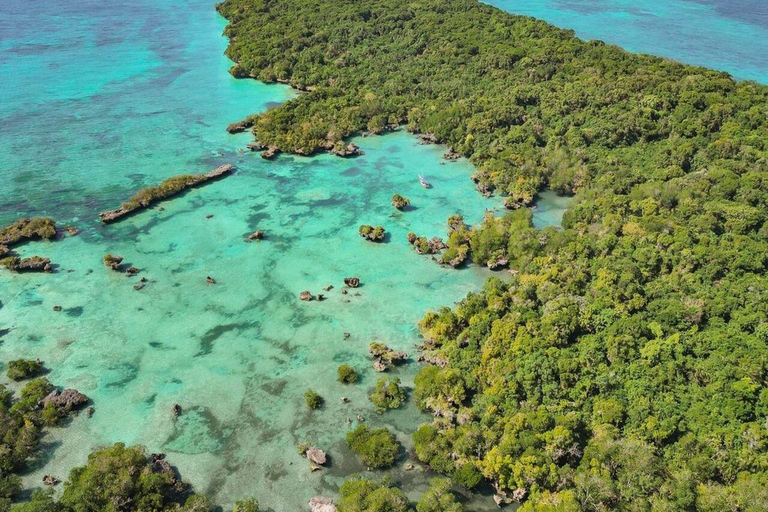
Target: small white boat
<point>424,183</point>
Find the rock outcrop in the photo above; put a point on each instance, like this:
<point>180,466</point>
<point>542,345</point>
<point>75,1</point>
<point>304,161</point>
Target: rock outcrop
<point>498,263</point>
<point>241,126</point>
<point>169,188</point>
<point>352,282</point>
<point>68,399</point>
<point>270,153</point>
<point>113,261</point>
<point>350,149</point>
<point>256,235</point>
<point>384,357</point>
<point>31,264</point>
<point>306,295</point>
<point>319,504</point>
<point>452,154</point>
<point>372,233</point>
<point>400,202</point>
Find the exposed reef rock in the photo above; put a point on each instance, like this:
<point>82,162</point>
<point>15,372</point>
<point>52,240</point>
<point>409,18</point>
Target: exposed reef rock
<point>351,149</point>
<point>168,188</point>
<point>255,146</point>
<point>270,153</point>
<point>372,233</point>
<point>316,455</point>
<point>400,202</point>
<point>113,261</point>
<point>433,359</point>
<point>176,410</point>
<point>422,245</point>
<point>427,138</point>
<point>319,504</point>
<point>352,282</point>
<point>68,399</point>
<point>452,154</point>
<point>27,229</point>
<point>306,295</point>
<point>384,357</point>
<point>511,203</point>
<point>498,263</point>
<point>31,264</point>
<point>241,126</point>
<point>50,480</point>
<point>256,235</point>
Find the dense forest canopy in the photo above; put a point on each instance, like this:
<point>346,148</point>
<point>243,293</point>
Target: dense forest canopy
<point>624,365</point>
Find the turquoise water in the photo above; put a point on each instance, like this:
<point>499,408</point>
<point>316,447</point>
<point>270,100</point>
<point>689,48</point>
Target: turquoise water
<point>729,35</point>
<point>100,99</point>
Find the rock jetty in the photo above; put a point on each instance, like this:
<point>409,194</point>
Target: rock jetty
<point>169,188</point>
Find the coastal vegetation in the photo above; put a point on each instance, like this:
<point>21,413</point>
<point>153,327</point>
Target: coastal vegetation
<point>168,188</point>
<point>22,420</point>
<point>312,399</point>
<point>31,264</point>
<point>400,202</point>
<point>624,364</point>
<point>365,495</point>
<point>39,228</point>
<point>21,369</point>
<point>389,394</point>
<point>372,233</point>
<point>376,447</point>
<point>347,374</point>
<point>125,479</point>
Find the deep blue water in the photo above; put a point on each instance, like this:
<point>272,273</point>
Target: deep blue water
<point>728,35</point>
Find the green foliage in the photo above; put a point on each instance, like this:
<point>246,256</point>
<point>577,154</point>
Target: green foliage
<point>372,233</point>
<point>400,202</point>
<point>365,495</point>
<point>347,374</point>
<point>21,424</point>
<point>40,501</point>
<point>249,505</point>
<point>389,394</point>
<point>27,229</point>
<point>167,188</point>
<point>439,498</point>
<point>118,474</point>
<point>21,369</point>
<point>312,399</point>
<point>376,448</point>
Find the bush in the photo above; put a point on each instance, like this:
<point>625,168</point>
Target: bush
<point>22,369</point>
<point>439,498</point>
<point>312,399</point>
<point>376,448</point>
<point>347,374</point>
<point>250,505</point>
<point>365,495</point>
<point>389,394</point>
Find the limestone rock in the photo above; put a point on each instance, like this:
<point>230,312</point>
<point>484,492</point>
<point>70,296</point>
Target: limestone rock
<point>319,504</point>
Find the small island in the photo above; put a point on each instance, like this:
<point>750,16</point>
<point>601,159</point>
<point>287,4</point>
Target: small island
<point>400,202</point>
<point>372,233</point>
<point>168,188</point>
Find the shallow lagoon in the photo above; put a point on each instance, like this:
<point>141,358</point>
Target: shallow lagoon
<point>120,97</point>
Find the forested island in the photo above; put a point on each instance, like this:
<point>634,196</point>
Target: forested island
<point>623,366</point>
